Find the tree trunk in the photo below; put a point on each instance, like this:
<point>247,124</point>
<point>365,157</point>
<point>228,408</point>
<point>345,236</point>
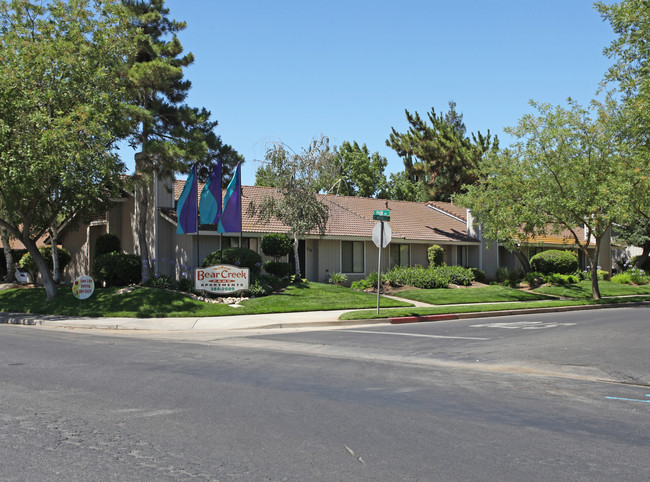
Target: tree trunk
<point>595,289</point>
<point>523,259</point>
<point>9,261</point>
<point>56,275</point>
<point>142,231</point>
<point>50,286</point>
<point>641,259</point>
<point>296,257</point>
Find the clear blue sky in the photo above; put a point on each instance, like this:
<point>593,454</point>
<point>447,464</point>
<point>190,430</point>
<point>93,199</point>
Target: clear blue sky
<point>293,70</point>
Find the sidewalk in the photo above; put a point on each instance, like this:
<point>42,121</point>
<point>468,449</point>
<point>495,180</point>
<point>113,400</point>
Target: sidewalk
<point>214,323</point>
<point>310,319</point>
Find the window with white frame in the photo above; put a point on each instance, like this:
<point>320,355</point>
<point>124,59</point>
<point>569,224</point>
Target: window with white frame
<point>352,256</point>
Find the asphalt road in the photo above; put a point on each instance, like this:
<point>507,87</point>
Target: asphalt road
<point>537,397</point>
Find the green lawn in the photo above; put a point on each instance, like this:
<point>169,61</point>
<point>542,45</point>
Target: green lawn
<point>484,294</point>
<point>146,302</point>
<point>443,310</point>
<point>583,289</point>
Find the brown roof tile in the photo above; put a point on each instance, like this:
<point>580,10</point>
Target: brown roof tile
<point>352,217</point>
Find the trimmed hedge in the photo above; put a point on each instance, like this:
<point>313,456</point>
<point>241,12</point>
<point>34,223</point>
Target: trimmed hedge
<point>277,268</point>
<point>107,243</point>
<point>117,269</point>
<point>436,255</point>
<point>276,245</point>
<point>430,278</point>
<point>243,257</point>
<point>554,261</point>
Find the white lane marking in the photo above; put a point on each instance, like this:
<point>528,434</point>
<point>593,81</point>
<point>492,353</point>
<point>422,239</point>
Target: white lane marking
<point>523,325</point>
<point>417,335</point>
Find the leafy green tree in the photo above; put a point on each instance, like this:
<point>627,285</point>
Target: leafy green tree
<point>170,135</point>
<point>358,172</point>
<point>439,153</point>
<point>637,233</point>
<point>566,171</point>
<point>400,187</point>
<point>62,106</point>
<point>297,203</point>
<point>630,73</point>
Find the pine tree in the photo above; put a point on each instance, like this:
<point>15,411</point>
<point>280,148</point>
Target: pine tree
<point>171,135</point>
<point>439,153</point>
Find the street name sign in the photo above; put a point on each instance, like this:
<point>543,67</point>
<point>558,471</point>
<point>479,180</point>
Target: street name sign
<point>381,215</point>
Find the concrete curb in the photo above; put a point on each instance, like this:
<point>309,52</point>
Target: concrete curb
<point>264,322</point>
<point>524,311</point>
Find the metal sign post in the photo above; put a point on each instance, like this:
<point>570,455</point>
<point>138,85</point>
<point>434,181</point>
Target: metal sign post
<point>381,236</point>
<point>381,243</point>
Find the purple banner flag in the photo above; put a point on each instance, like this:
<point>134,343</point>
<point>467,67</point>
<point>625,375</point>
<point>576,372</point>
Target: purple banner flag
<point>210,205</point>
<point>230,221</point>
<point>186,209</point>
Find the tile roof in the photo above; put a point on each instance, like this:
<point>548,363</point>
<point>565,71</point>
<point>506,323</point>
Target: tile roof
<point>352,217</point>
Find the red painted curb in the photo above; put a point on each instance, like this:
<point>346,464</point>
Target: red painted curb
<point>417,319</point>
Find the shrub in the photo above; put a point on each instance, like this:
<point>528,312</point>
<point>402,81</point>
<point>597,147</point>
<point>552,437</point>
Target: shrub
<point>645,266</point>
<point>277,269</point>
<point>243,257</point>
<point>436,255</point>
<point>554,261</point>
<point>338,278</point>
<point>257,288</point>
<point>632,276</point>
<point>28,264</point>
<point>276,245</point>
<point>479,275</point>
<point>117,269</point>
<point>107,243</point>
<point>161,281</point>
<point>369,282</point>
<point>430,278</point>
<point>562,279</point>
<point>186,285</point>
<point>534,278</point>
<point>509,278</point>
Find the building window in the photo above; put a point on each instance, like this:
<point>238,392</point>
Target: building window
<point>461,256</point>
<point>233,242</point>
<point>399,254</point>
<point>352,257</point>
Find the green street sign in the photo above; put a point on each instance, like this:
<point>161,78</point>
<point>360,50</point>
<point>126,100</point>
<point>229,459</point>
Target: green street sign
<point>381,215</point>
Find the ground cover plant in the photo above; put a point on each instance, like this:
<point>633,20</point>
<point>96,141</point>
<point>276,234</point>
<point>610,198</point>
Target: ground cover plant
<point>632,276</point>
<point>146,302</point>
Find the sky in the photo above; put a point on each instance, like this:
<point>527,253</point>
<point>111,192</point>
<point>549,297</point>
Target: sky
<point>290,71</point>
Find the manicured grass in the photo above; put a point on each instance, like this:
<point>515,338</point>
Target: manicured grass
<point>484,294</point>
<point>583,289</point>
<point>146,302</point>
<point>443,310</point>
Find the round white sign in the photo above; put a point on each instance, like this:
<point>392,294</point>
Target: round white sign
<point>83,287</point>
<point>376,234</point>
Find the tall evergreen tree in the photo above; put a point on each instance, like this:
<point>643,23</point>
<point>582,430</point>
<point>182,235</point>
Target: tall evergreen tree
<point>439,153</point>
<point>171,135</point>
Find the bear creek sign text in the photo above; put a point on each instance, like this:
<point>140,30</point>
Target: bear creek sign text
<point>222,279</point>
